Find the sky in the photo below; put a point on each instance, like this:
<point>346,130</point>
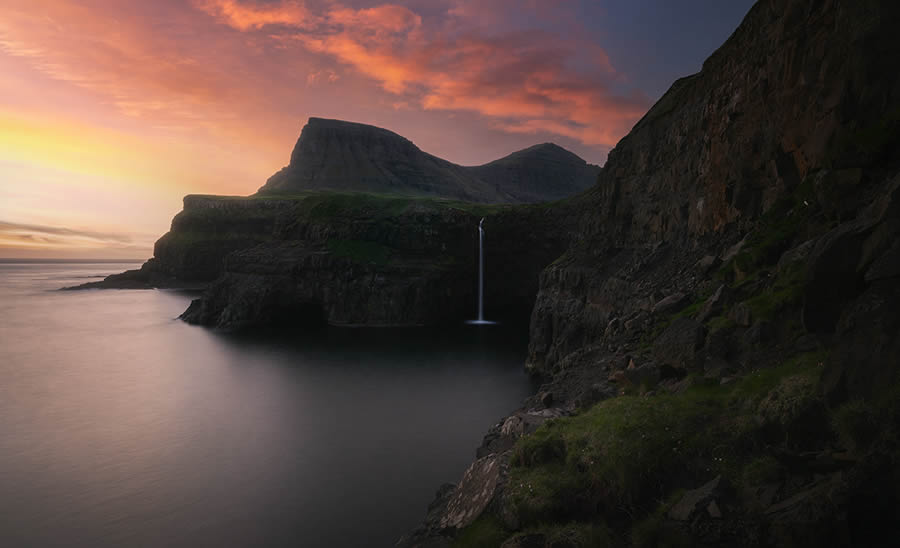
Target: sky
<point>112,110</point>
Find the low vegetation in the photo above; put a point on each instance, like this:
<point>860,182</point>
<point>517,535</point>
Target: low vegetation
<point>360,251</point>
<point>619,465</point>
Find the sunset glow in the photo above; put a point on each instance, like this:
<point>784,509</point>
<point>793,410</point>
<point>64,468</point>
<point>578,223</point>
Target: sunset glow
<point>112,111</point>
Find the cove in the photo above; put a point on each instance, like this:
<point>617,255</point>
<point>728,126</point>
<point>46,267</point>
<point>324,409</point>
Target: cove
<point>125,426</point>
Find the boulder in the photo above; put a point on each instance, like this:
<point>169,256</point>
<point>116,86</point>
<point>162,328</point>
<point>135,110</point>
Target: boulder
<point>707,264</point>
<point>647,374</point>
<point>697,500</point>
<point>546,399</point>
<point>678,344</point>
<point>832,275</point>
<point>474,493</point>
<point>759,333</point>
<point>794,256</point>
<point>670,304</point>
<point>714,305</point>
<point>886,266</point>
<point>741,315</point>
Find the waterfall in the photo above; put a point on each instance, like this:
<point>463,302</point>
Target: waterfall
<point>480,320</point>
<point>481,270</point>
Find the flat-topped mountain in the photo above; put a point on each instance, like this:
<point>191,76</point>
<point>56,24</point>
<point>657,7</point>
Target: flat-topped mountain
<point>346,156</point>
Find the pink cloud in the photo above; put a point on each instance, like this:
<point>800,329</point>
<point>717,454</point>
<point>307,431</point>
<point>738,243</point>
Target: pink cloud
<point>245,16</point>
<point>523,81</point>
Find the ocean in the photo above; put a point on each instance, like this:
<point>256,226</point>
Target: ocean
<point>120,425</point>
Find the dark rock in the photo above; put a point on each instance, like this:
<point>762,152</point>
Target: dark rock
<point>863,362</point>
<point>833,277</point>
<point>647,374</point>
<point>807,343</point>
<point>149,276</point>
<point>707,264</point>
<point>526,540</point>
<point>759,333</point>
<point>796,408</point>
<point>612,328</point>
<point>695,500</point>
<point>714,305</point>
<point>678,344</point>
<point>474,493</point>
<point>619,377</point>
<point>795,255</point>
<point>720,343</point>
<point>732,251</point>
<point>547,399</point>
<point>740,314</point>
<point>678,386</point>
<point>672,303</point>
<point>886,266</point>
<point>717,369</point>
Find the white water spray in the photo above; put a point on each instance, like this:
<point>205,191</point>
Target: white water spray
<point>480,320</point>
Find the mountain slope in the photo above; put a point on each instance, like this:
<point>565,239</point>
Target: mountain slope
<point>346,156</point>
<point>525,174</point>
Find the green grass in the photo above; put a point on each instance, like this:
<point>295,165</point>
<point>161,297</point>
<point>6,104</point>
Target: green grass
<point>484,532</point>
<point>718,323</point>
<point>756,384</point>
<point>360,251</point>
<point>624,453</point>
<point>323,205</point>
<point>651,532</point>
<point>192,237</point>
<point>650,335</point>
<point>861,425</point>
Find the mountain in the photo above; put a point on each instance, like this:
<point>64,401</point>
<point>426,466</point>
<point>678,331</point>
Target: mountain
<point>346,156</point>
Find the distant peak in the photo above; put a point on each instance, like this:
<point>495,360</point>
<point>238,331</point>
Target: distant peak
<point>316,126</point>
<point>547,146</point>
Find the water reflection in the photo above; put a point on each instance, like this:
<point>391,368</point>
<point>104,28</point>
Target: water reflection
<point>121,425</point>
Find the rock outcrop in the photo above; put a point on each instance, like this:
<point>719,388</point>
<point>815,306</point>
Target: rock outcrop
<point>209,228</point>
<point>345,156</point>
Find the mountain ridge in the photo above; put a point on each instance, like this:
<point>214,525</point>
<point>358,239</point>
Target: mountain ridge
<point>349,156</point>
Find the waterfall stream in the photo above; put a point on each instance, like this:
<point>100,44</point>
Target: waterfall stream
<point>480,320</point>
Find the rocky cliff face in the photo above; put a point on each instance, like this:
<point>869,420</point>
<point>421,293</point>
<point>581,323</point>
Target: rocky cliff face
<point>373,260</point>
<point>345,156</point>
<point>793,102</point>
<point>209,228</point>
<point>735,282</point>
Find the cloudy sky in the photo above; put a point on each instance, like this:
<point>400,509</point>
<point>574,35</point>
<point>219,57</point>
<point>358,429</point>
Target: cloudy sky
<point>112,110</point>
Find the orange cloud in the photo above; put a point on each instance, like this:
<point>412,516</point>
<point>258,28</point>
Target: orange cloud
<point>380,20</point>
<point>523,81</point>
<point>254,16</point>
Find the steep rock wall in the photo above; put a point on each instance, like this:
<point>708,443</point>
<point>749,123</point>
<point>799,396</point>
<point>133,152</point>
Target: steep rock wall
<point>785,99</point>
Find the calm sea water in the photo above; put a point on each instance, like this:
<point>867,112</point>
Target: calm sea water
<point>122,426</point>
